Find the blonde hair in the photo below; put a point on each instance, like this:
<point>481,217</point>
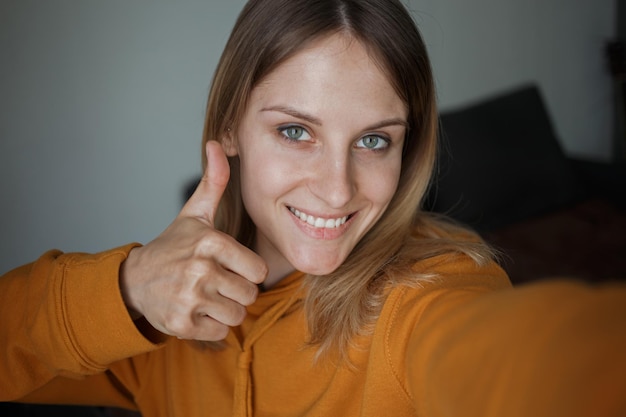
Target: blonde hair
<point>346,302</point>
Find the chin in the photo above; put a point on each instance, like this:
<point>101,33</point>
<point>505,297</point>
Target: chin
<point>317,271</point>
<point>315,267</point>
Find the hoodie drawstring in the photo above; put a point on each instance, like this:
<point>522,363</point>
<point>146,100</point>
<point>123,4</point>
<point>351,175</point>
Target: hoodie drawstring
<point>242,406</point>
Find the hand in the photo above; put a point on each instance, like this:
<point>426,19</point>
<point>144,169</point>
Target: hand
<point>194,281</point>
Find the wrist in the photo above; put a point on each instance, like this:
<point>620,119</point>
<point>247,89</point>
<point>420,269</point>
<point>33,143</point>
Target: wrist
<point>125,283</point>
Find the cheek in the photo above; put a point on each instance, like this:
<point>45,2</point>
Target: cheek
<point>262,178</point>
<point>380,184</point>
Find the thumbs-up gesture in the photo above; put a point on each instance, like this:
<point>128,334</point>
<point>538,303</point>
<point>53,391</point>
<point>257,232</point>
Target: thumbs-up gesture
<point>194,281</point>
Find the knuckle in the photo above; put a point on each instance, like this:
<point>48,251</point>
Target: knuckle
<point>263,271</point>
<point>197,268</point>
<point>238,315</point>
<point>212,330</point>
<point>179,326</point>
<point>250,294</point>
<point>213,243</point>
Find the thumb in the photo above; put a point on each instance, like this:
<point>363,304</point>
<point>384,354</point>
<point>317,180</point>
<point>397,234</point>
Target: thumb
<point>205,200</point>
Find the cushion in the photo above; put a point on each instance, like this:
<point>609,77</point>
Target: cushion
<point>500,162</point>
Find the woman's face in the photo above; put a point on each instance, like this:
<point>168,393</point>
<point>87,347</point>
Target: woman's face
<point>320,146</point>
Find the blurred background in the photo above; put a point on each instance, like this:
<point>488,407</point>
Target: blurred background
<point>102,102</point>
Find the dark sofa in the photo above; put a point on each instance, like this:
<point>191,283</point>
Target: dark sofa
<point>501,170</point>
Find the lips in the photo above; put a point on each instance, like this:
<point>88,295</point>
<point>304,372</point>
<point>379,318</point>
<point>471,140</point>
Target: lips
<point>319,222</point>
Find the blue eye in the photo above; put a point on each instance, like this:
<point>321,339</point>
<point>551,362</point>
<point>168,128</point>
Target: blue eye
<point>294,133</point>
<point>372,142</point>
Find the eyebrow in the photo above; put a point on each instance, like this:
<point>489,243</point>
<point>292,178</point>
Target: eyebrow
<point>314,120</point>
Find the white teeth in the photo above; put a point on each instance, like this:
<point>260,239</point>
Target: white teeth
<point>319,222</point>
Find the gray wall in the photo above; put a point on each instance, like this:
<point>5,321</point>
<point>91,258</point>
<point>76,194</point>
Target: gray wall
<point>479,47</point>
<point>101,102</point>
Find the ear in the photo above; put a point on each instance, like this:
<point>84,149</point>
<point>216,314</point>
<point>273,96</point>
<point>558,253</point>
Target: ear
<point>229,143</point>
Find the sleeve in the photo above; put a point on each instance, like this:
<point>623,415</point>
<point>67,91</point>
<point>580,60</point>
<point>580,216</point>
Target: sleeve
<point>556,348</point>
<point>63,324</point>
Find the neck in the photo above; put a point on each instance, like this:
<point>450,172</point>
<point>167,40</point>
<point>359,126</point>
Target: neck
<point>276,274</point>
<point>278,266</point>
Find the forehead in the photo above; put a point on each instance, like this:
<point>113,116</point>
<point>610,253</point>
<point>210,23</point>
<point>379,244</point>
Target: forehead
<point>329,72</point>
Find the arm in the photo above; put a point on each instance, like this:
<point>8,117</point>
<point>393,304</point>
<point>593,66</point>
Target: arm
<point>70,315</point>
<point>63,316</point>
<point>548,349</point>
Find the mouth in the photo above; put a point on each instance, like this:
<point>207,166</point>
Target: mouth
<point>320,222</point>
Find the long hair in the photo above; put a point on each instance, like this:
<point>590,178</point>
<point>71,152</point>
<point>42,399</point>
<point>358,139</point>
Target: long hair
<point>346,302</point>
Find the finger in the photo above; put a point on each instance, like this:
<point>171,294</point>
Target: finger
<point>207,329</point>
<point>233,287</point>
<point>198,323</point>
<point>205,200</point>
<point>233,256</point>
<point>221,309</point>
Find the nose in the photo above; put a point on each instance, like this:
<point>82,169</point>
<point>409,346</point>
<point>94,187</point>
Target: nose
<point>333,179</point>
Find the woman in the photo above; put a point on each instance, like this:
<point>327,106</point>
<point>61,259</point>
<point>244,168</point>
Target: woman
<point>301,278</point>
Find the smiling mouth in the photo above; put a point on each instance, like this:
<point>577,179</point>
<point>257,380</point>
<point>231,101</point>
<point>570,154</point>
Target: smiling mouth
<point>320,222</point>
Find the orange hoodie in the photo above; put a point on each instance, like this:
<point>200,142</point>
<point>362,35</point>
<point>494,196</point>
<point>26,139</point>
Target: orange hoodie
<point>465,344</point>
